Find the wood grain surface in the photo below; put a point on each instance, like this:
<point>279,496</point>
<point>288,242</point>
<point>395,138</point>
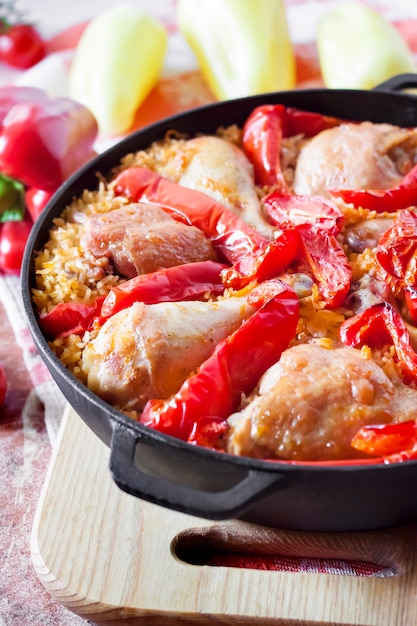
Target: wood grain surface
<point>115,559</point>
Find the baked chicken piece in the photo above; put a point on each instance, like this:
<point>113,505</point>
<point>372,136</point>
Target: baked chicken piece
<point>147,351</point>
<point>313,401</point>
<point>355,156</point>
<point>222,171</point>
<point>142,238</point>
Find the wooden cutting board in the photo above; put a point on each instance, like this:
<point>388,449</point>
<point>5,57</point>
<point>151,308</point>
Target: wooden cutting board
<point>112,558</point>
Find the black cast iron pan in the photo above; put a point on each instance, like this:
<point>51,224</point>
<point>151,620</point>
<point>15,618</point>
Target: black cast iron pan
<point>198,481</point>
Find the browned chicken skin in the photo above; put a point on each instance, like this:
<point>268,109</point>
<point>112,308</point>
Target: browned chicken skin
<point>222,171</point>
<point>147,351</point>
<point>143,238</point>
<point>359,156</point>
<point>312,403</point>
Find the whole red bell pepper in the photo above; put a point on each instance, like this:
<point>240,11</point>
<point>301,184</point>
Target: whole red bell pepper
<point>385,440</point>
<point>42,142</point>
<point>182,282</point>
<point>402,196</point>
<point>317,221</point>
<point>233,368</point>
<point>251,254</point>
<point>262,137</point>
<point>13,94</point>
<point>381,325</point>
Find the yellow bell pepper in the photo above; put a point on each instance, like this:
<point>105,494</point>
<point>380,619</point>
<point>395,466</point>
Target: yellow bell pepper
<point>358,49</point>
<point>242,47</point>
<point>117,62</point>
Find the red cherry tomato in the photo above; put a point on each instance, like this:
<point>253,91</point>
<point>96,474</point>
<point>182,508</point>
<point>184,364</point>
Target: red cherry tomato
<point>13,238</point>
<point>21,46</point>
<point>3,385</point>
<point>36,200</point>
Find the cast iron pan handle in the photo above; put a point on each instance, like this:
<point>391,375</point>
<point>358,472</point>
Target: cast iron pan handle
<point>398,83</point>
<point>178,493</point>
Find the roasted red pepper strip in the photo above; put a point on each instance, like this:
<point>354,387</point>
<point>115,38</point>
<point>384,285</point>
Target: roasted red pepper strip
<point>252,256</point>
<point>386,439</point>
<point>396,254</point>
<point>410,294</point>
<point>262,136</point>
<point>317,222</point>
<point>402,196</point>
<point>208,432</point>
<point>234,367</point>
<point>182,282</point>
<point>301,210</point>
<point>67,318</point>
<point>263,132</point>
<point>306,123</point>
<point>263,262</point>
<point>328,263</point>
<point>380,325</point>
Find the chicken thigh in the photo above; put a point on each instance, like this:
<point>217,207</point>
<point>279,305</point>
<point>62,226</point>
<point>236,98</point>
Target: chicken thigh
<point>313,401</point>
<point>143,238</point>
<point>358,156</point>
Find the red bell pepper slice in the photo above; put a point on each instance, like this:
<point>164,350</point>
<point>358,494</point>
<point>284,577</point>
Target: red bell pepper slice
<point>263,132</point>
<point>251,254</point>
<point>264,261</point>
<point>317,221</point>
<point>380,325</point>
<point>410,294</point>
<point>299,122</point>
<point>328,263</point>
<point>302,210</point>
<point>182,282</point>
<point>262,135</point>
<point>396,254</point>
<point>233,368</point>
<point>67,318</point>
<point>208,432</point>
<point>42,142</point>
<point>387,439</point>
<point>402,196</point>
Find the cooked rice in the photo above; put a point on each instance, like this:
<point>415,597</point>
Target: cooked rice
<point>64,273</point>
